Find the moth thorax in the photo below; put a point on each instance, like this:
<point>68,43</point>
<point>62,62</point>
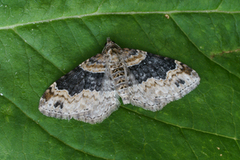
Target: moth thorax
<point>113,56</point>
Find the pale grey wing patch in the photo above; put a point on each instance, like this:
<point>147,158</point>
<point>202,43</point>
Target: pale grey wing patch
<point>87,106</point>
<point>107,83</point>
<point>153,94</point>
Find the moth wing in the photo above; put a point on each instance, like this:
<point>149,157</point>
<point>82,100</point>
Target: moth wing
<point>158,80</point>
<point>85,94</point>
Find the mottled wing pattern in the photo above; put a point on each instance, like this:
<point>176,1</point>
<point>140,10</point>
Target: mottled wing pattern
<point>79,94</point>
<point>90,92</point>
<point>159,80</point>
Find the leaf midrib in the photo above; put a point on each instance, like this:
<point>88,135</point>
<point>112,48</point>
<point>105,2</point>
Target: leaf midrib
<point>116,13</point>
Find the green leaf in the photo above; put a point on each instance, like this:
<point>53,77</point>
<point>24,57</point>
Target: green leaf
<point>42,40</point>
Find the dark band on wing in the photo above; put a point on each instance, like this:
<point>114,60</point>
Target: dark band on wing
<point>152,66</point>
<point>78,79</point>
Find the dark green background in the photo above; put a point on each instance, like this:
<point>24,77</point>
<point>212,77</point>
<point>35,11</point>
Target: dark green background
<point>41,41</point>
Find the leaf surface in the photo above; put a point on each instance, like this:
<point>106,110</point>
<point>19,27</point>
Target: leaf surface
<point>42,41</point>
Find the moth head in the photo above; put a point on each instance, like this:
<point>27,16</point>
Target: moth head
<point>110,45</point>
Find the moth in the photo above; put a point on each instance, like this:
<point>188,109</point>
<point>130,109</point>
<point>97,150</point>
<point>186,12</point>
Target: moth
<point>91,91</point>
